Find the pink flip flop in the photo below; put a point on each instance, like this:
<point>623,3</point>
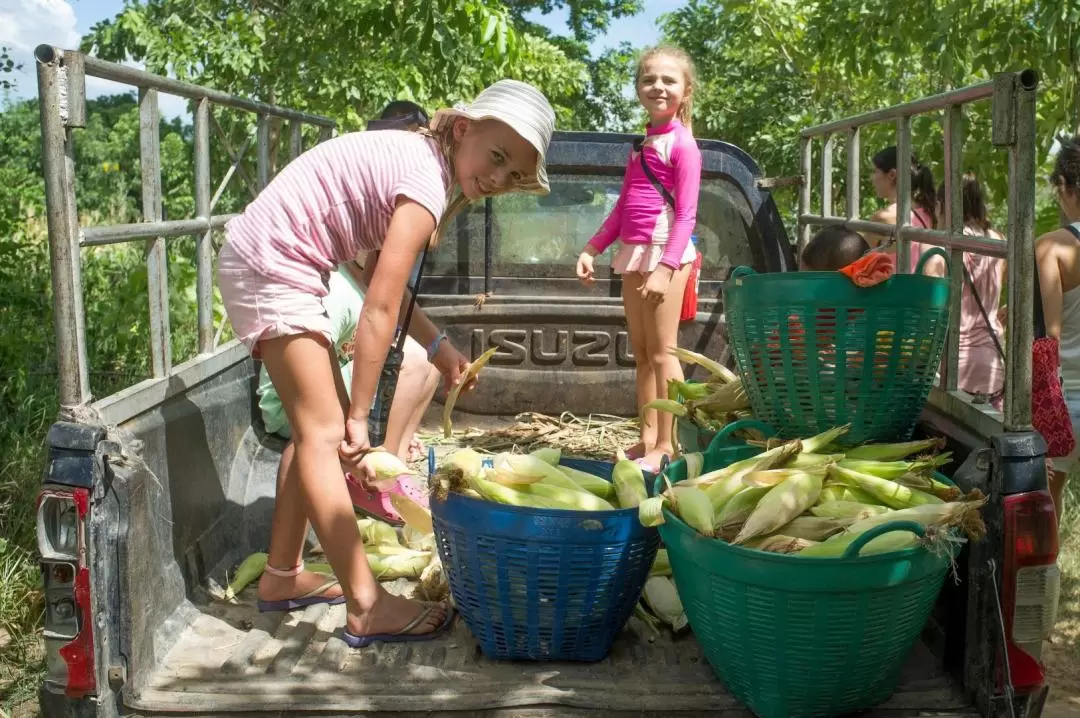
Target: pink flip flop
<point>376,504</point>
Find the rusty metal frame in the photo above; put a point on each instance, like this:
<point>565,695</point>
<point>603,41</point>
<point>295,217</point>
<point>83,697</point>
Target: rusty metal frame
<point>1013,108</point>
<point>62,92</point>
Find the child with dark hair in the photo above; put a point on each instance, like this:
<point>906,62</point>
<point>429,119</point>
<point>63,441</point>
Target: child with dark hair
<point>400,115</point>
<point>831,249</point>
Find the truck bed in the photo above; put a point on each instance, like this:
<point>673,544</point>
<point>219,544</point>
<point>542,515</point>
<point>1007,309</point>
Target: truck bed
<point>215,658</point>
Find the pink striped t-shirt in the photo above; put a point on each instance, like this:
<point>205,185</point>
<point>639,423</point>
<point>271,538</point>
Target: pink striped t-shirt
<point>335,201</point>
<point>641,215</point>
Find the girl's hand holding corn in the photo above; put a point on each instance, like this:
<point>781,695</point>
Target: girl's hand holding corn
<point>356,444</point>
<point>452,364</point>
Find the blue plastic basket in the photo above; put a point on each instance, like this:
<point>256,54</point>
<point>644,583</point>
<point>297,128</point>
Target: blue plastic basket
<point>543,584</point>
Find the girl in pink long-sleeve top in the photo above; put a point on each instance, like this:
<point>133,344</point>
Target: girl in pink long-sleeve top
<point>650,227</point>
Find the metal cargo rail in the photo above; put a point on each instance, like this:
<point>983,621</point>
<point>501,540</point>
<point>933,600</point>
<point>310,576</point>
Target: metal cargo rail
<point>1013,113</point>
<point>62,92</point>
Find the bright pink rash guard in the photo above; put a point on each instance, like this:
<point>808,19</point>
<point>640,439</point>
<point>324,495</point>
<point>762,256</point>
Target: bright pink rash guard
<point>641,216</point>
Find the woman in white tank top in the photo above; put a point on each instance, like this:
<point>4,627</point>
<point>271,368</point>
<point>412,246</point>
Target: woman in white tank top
<point>1057,255</point>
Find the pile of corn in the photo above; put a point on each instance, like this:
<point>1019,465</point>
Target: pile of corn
<point>537,480</point>
<point>709,405</point>
<point>811,499</point>
<point>660,603</point>
<point>391,555</point>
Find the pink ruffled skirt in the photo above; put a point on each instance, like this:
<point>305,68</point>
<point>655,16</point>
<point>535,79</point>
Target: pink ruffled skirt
<point>645,258</point>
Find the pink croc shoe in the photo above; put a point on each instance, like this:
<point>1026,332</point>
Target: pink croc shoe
<point>377,505</point>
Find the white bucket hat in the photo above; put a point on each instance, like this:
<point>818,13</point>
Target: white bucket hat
<point>524,109</point>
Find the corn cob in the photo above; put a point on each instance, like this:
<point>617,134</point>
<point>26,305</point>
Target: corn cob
<point>249,570</point>
<point>783,503</point>
<point>467,376</point>
<point>386,466</point>
<point>769,477</point>
<point>573,498</point>
<point>468,460</point>
<point>518,470</point>
<point>771,459</point>
<point>893,452</point>
<point>693,507</point>
<point>375,533</point>
<point>663,599</point>
<point>805,461</point>
<point>813,528</point>
<point>588,482</point>
<point>733,514</point>
<point>891,470</point>
<point>930,485</point>
<point>548,455</point>
<point>779,543</point>
<point>494,491</point>
<point>661,565</point>
<point>721,492</point>
<point>629,483</point>
<point>651,511</point>
<point>847,509</point>
<point>890,493</point>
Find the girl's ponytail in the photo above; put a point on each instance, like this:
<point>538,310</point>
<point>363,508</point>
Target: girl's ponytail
<point>922,188</point>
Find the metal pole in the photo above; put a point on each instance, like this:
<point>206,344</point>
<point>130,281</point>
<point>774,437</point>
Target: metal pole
<point>63,247</point>
<point>852,189</point>
<point>204,256</point>
<point>75,116</point>
<point>325,133</point>
<point>156,256</point>
<point>263,152</point>
<point>954,221</point>
<point>1021,255</point>
<point>487,245</point>
<point>826,175</point>
<point>296,139</point>
<point>805,149</point>
<point>903,192</point>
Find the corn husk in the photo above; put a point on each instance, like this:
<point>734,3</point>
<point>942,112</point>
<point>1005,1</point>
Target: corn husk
<point>814,528</point>
<point>520,470</point>
<point>662,598</point>
<point>468,460</point>
<point>455,391</point>
<point>572,498</point>
<point>889,493</point>
<point>661,565</point>
<point>730,518</point>
<point>779,543</point>
<point>847,509</point>
<point>694,507</point>
<point>816,443</point>
<point>412,513</point>
<point>375,533</point>
<point>651,511</point>
<point>249,570</point>
<point>386,466</point>
<point>716,369</point>
<point>587,482</point>
<point>548,455</point>
<point>494,491</point>
<point>893,452</point>
<point>695,462</point>
<point>783,503</point>
<point>629,482</point>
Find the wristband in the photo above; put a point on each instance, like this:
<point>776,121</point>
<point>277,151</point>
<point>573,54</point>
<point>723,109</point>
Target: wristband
<point>434,346</point>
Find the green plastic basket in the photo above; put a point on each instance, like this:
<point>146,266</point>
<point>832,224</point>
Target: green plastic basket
<point>815,351</point>
<point>798,637</point>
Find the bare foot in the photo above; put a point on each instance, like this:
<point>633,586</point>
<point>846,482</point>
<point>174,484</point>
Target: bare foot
<point>654,457</point>
<point>636,451</point>
<point>278,588</point>
<point>416,450</point>
<point>391,614</point>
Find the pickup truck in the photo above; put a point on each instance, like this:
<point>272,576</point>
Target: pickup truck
<point>152,493</point>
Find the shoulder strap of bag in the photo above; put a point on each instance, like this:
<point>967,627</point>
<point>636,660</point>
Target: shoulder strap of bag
<point>403,331</point>
<point>639,147</point>
<point>982,309</point>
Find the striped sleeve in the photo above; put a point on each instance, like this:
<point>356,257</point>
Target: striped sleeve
<point>423,183</point>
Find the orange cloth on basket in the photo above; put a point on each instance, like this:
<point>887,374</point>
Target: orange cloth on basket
<point>871,269</point>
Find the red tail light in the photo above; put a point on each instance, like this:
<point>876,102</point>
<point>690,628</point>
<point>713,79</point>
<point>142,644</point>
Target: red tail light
<point>69,633</point>
<point>1030,582</point>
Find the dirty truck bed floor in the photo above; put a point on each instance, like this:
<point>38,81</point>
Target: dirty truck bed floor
<point>233,659</point>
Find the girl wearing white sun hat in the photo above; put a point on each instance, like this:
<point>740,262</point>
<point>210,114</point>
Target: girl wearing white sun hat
<point>363,192</point>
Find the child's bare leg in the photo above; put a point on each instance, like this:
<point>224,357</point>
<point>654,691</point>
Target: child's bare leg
<point>308,382</point>
<point>644,378</point>
<point>662,333</point>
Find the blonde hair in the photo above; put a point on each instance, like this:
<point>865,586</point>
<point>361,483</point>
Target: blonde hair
<point>689,77</point>
<point>444,137</point>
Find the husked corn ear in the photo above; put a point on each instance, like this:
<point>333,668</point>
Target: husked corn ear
<point>783,503</point>
<point>847,509</point>
<point>693,507</point>
<point>816,443</point>
<point>588,482</point>
<point>468,460</point>
<point>890,493</point>
<point>629,484</point>
<point>663,599</point>
<point>893,452</point>
<point>813,528</point>
<point>734,513</point>
<point>779,543</point>
<point>573,498</point>
<point>494,491</point>
<point>548,455</point>
<point>250,569</point>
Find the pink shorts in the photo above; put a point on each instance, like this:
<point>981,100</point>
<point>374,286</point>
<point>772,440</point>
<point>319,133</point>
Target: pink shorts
<point>645,258</point>
<point>263,308</point>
